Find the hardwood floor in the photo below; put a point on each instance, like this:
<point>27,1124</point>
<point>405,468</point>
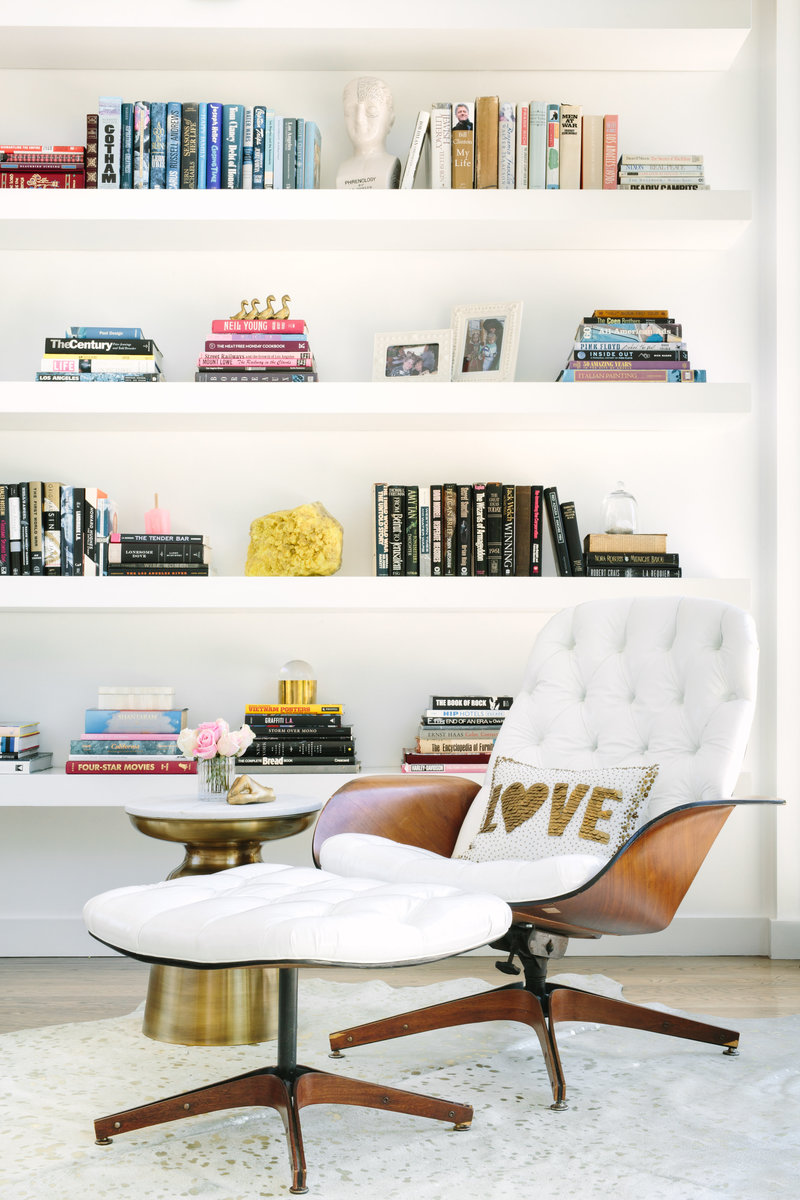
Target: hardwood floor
<point>53,991</point>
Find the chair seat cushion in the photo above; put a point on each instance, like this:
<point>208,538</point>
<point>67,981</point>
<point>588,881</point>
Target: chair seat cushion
<point>269,913</point>
<point>515,881</point>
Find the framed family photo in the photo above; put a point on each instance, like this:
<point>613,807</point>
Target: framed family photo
<point>423,355</point>
<point>486,341</point>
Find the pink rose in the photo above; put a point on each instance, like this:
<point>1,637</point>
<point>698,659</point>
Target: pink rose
<point>217,727</point>
<point>206,741</point>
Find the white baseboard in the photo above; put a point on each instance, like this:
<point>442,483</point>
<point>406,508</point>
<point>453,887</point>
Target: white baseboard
<point>66,937</point>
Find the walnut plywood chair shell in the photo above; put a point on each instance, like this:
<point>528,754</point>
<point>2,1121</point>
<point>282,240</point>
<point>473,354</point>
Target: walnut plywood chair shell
<point>609,683</point>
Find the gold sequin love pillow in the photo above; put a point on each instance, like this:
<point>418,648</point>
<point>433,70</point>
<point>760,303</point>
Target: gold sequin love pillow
<point>538,812</point>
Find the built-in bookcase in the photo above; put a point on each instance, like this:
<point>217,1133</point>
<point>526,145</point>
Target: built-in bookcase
<point>686,79</point>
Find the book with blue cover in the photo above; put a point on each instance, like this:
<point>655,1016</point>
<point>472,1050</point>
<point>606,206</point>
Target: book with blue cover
<point>232,144</point>
<point>277,153</point>
<point>259,123</point>
<point>174,113</point>
<point>214,145</point>
<point>299,154</point>
<point>289,140</point>
<point>247,149</point>
<point>126,152</point>
<point>158,144</point>
<point>312,155</point>
<point>202,144</point>
<point>269,148</point>
<point>141,144</point>
<point>135,721</point>
<point>118,332</point>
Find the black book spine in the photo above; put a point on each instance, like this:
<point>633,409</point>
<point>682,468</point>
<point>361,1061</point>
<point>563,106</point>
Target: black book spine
<point>569,520</point>
<point>90,158</point>
<point>25,529</point>
<point>313,733</point>
<point>464,530</point>
<point>489,703</point>
<point>78,522</point>
<point>37,527</point>
<point>307,747</point>
<point>635,572</point>
<point>536,529</point>
<point>449,526</point>
<point>557,530</point>
<point>294,723</point>
<point>5,565</point>
<point>189,146</point>
<point>149,539</point>
<point>596,559</point>
<point>437,530</point>
<point>157,569</point>
<point>412,529</point>
<point>599,355</point>
<point>522,529</point>
<point>14,531</point>
<point>89,537</point>
<point>296,760</point>
<point>381,518</point>
<point>289,143</point>
<point>508,504</point>
<point>494,529</point>
<point>159,553</point>
<point>397,529</point>
<point>479,518</point>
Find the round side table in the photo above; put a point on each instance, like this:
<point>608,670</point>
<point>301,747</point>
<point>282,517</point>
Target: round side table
<point>238,1006</point>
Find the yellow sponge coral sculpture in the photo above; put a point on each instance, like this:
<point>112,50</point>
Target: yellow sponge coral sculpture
<point>305,540</point>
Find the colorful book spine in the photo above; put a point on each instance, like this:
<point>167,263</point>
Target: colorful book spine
<point>247,148</point>
<point>174,118</point>
<point>5,568</point>
<point>610,144</point>
<point>537,160</point>
<point>269,149</point>
<point>90,160</point>
<point>434,768</point>
<point>189,133</point>
<point>277,153</point>
<point>424,530</point>
<point>63,180</point>
<point>380,522</point>
<point>289,143</point>
<point>67,529</point>
<point>134,721</point>
<point>202,145</point>
<point>141,144</point>
<point>523,145</point>
<point>214,146</point>
<point>313,156</point>
<point>259,123</point>
<point>479,524</point>
<point>109,122</point>
<point>507,147</point>
<point>508,508</point>
<point>130,766</point>
<point>292,710</point>
<point>111,747</point>
<point>24,529</point>
<point>671,375</point>
<point>300,154</point>
<point>255,362</point>
<point>255,377</point>
<point>14,530</point>
<point>273,326</point>
<point>462,135</point>
<point>536,529</point>
<point>242,343</point>
<point>126,151</point>
<point>232,145</point>
<point>553,145</point>
<point>158,145</point>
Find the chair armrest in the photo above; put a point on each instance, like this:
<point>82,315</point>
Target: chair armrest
<point>416,812</point>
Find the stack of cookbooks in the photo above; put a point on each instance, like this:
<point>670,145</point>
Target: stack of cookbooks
<point>42,166</point>
<point>158,554</point>
<point>100,354</point>
<point>637,345</point>
<point>456,734</point>
<point>662,173</point>
<point>19,749</point>
<point>629,556</point>
<point>298,738</point>
<point>257,345</point>
<point>133,731</point>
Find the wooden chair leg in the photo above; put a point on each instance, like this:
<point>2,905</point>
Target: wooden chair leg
<point>320,1087</point>
<point>570,1004</point>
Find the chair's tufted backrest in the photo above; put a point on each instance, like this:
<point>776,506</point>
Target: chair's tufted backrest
<point>625,682</point>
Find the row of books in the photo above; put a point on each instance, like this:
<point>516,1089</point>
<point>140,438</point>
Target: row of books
<point>250,349</point>
<point>101,356</point>
<point>26,166</point>
<point>662,172</point>
<point>20,752</point>
<point>298,738</point>
<point>49,528</point>
<point>456,734</point>
<point>487,143</point>
<point>635,345</point>
<point>167,144</point>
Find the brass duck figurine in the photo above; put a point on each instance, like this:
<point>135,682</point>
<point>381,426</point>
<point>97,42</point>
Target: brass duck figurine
<point>253,314</point>
<point>243,313</point>
<point>283,313</point>
<point>266,313</point>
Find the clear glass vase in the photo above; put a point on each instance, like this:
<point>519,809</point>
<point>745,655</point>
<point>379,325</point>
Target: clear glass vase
<point>215,776</point>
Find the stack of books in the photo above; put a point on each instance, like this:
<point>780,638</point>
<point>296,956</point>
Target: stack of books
<point>630,556</point>
<point>662,173</point>
<point>168,144</point>
<point>489,143</point>
<point>42,166</point>
<point>54,529</point>
<point>456,734</point>
<point>19,749</point>
<point>298,738</point>
<point>253,350</point>
<point>133,731</point>
<point>639,345</point>
<point>95,354</point>
<point>158,554</point>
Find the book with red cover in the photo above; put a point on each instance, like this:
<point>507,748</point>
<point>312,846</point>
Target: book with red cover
<point>232,326</point>
<point>42,178</point>
<point>414,756</point>
<point>128,766</point>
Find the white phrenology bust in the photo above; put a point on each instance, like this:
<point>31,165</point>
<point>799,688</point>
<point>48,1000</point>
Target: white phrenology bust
<point>368,116</point>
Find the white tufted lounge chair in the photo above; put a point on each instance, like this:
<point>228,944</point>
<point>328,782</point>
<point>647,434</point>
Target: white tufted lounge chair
<point>670,681</point>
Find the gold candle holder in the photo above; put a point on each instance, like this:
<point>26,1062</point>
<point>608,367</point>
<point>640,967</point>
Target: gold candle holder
<point>295,685</point>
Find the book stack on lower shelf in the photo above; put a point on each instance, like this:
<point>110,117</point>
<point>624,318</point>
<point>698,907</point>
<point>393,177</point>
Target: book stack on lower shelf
<point>133,731</point>
<point>662,173</point>
<point>19,749</point>
<point>630,556</point>
<point>456,735</point>
<point>298,738</point>
<point>99,354</point>
<point>249,349</point>
<point>629,345</point>
<point>42,167</point>
<point>145,554</point>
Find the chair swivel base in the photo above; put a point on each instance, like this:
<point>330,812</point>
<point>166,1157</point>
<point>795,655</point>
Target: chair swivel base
<point>286,1087</point>
<point>515,1002</point>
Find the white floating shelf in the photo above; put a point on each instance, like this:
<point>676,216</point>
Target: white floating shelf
<point>340,594</point>
<point>367,221</point>
<point>54,789</point>
<point>623,35</point>
<point>368,407</point>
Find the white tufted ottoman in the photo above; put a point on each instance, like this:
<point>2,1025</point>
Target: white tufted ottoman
<point>272,915</point>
